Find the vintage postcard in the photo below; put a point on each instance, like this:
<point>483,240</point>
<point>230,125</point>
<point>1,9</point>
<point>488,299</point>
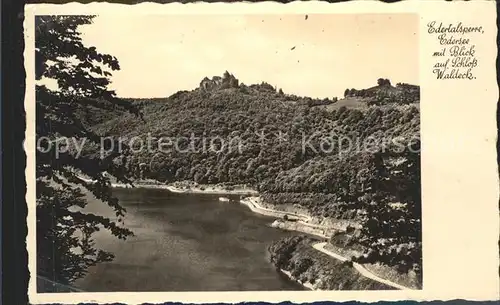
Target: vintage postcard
<point>239,152</point>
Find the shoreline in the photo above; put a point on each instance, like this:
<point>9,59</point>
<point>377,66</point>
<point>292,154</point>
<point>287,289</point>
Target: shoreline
<point>252,202</point>
<point>307,285</point>
<point>202,189</point>
<point>302,220</point>
<point>300,223</point>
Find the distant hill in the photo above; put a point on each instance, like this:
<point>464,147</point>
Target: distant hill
<point>225,107</point>
<point>292,149</point>
<point>385,93</point>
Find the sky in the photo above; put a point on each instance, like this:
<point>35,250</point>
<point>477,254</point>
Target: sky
<point>319,56</point>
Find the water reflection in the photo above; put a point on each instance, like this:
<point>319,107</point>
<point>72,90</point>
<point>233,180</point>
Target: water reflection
<point>186,242</point>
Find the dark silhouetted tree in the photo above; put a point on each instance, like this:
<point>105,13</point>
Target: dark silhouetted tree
<point>65,247</point>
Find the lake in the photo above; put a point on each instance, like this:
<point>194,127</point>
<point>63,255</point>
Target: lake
<point>186,242</point>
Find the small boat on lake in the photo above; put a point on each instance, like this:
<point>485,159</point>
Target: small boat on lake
<point>223,199</point>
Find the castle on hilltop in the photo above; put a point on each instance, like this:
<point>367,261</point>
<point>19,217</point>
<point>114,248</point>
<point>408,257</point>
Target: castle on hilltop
<point>226,81</point>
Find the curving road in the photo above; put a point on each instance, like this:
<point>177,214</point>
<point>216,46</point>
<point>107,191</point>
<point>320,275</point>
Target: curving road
<point>358,267</point>
<point>252,203</point>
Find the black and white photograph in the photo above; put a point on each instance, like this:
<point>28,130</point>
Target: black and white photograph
<point>227,152</point>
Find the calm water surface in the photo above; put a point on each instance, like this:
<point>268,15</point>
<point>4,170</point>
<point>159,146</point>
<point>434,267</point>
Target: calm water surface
<point>186,242</point>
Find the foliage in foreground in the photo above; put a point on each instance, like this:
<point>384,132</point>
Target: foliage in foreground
<point>65,247</point>
<point>264,130</point>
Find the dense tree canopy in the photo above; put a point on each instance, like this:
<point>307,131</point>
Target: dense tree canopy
<point>293,149</point>
<point>65,248</point>
<point>346,163</point>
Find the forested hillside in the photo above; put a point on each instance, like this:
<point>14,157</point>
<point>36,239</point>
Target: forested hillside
<point>361,164</point>
<point>293,132</point>
<point>355,159</point>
